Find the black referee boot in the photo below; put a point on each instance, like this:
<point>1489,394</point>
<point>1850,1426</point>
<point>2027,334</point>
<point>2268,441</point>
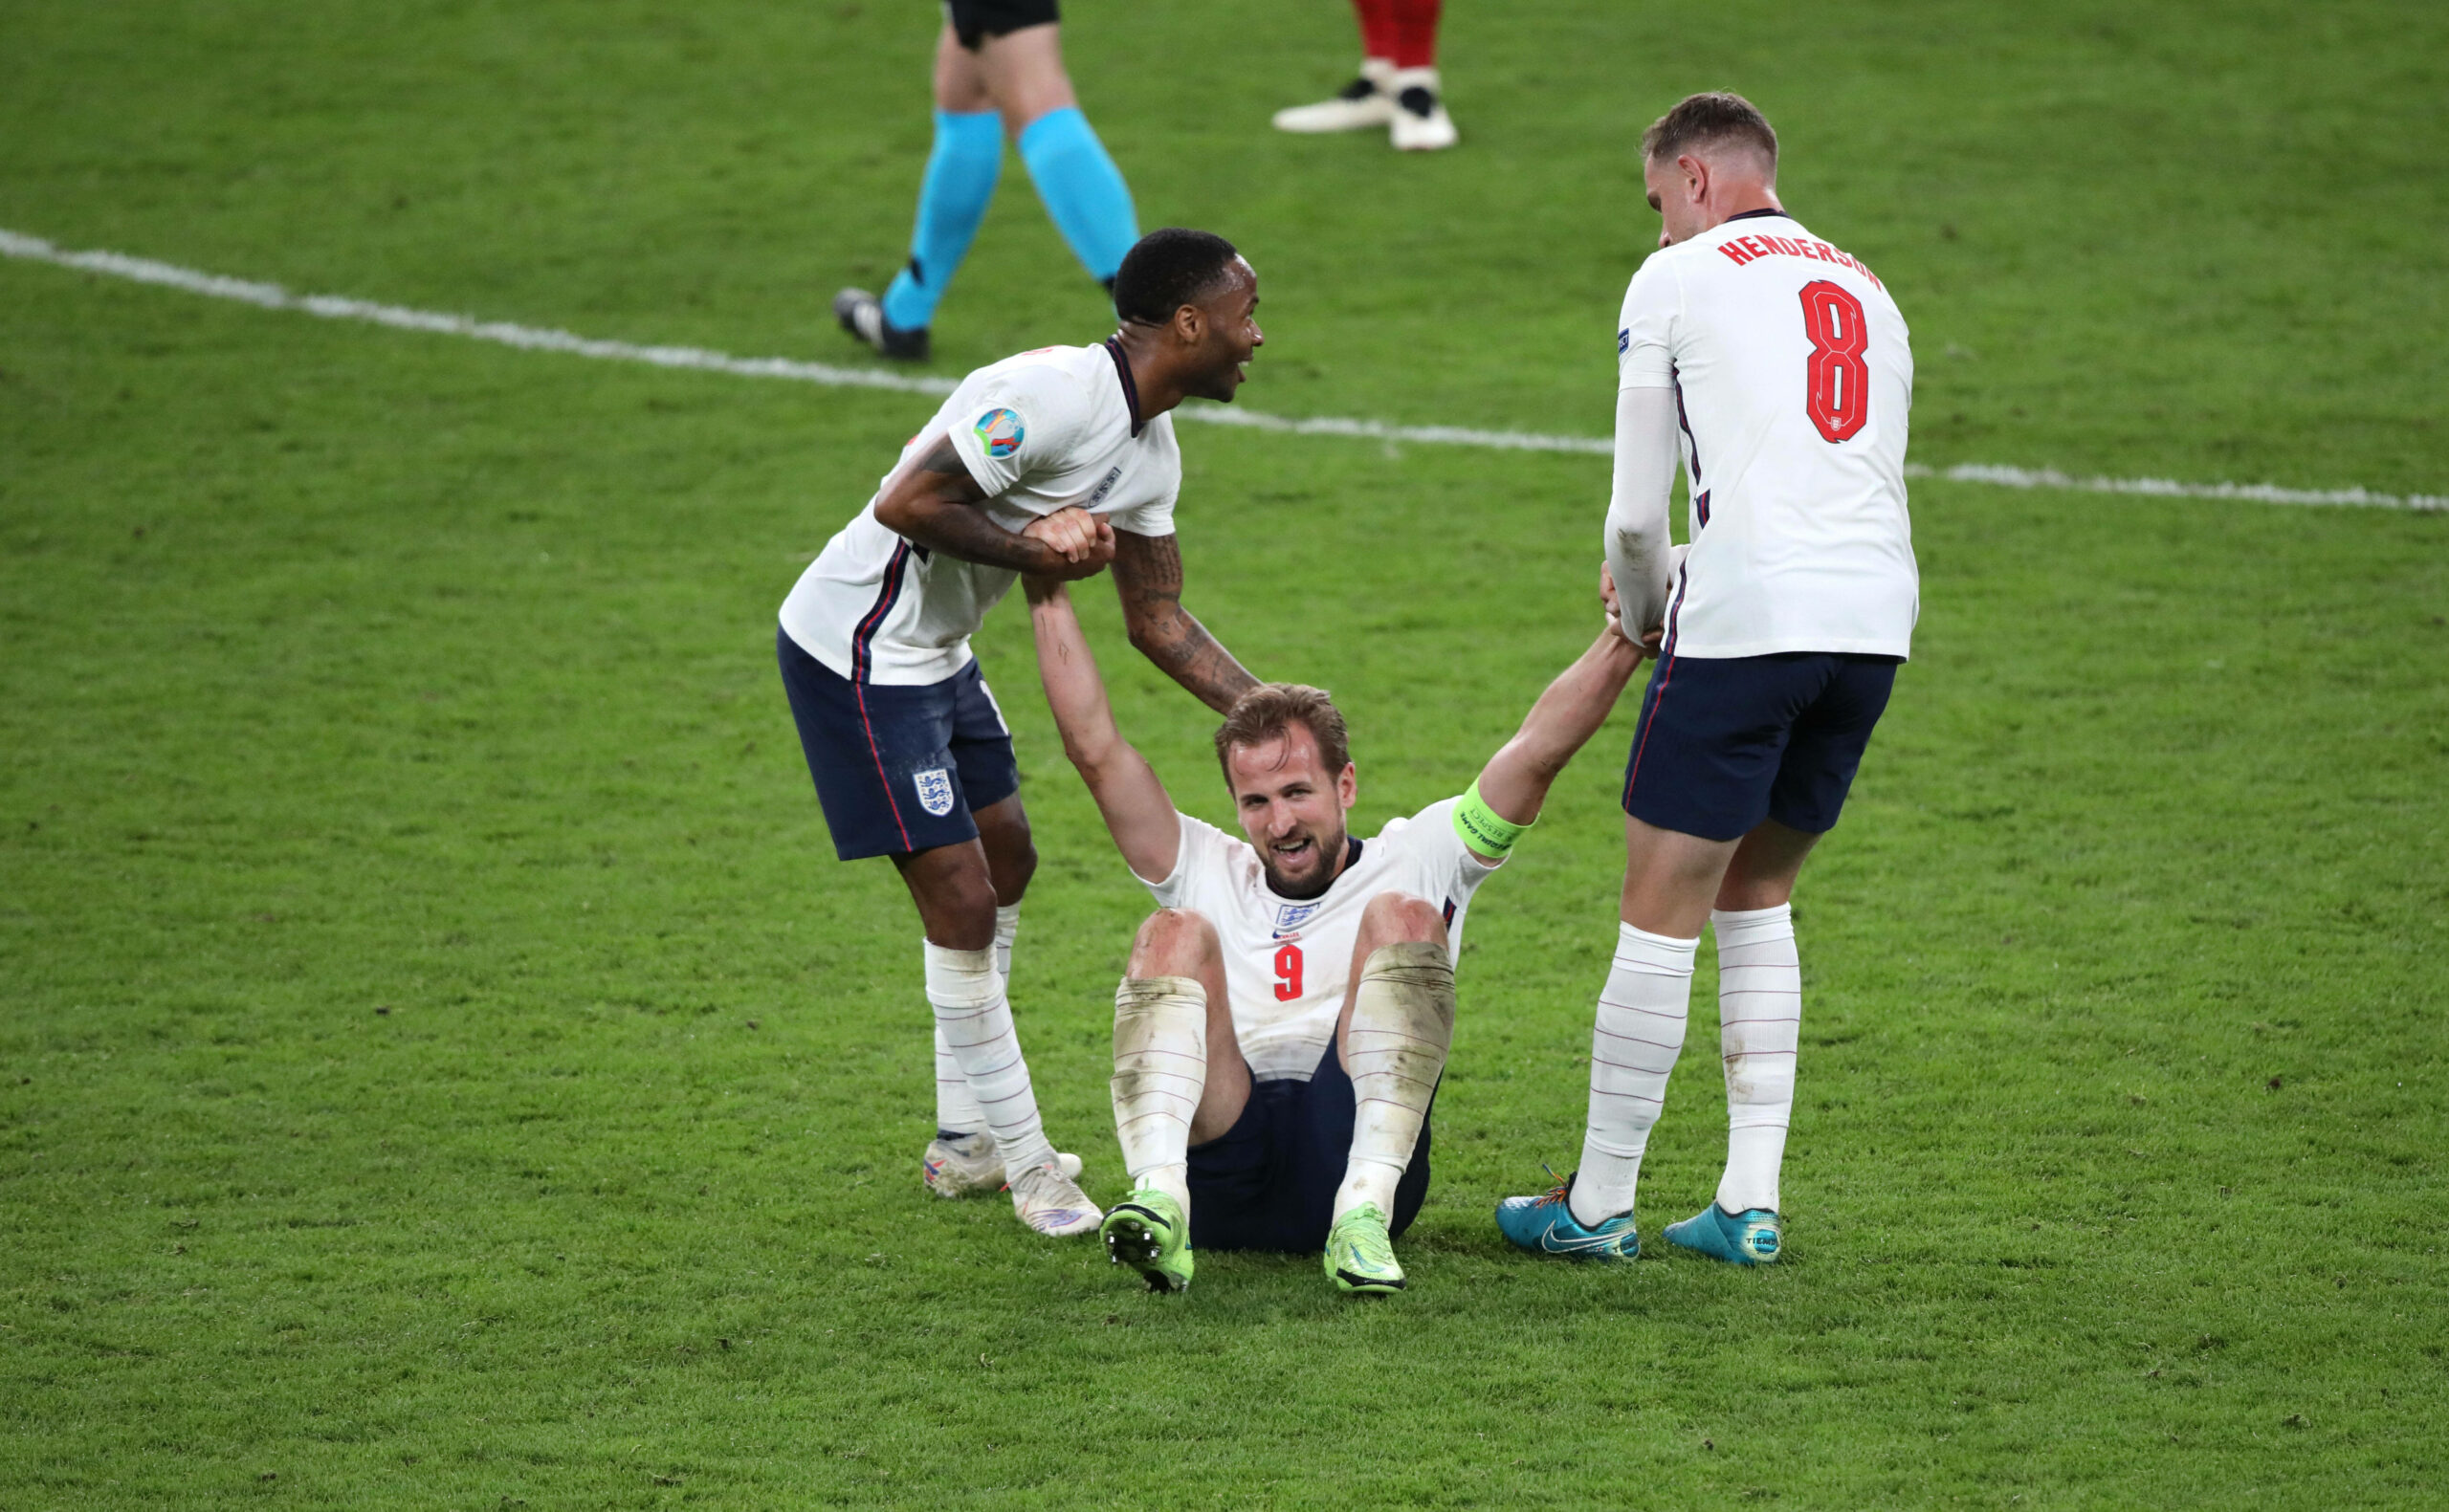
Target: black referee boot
<point>862,315</point>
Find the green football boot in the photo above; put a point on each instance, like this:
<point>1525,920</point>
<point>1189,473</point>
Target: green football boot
<point>1149,1232</point>
<point>1360,1255</point>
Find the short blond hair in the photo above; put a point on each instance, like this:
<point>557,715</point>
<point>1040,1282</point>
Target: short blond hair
<point>1705,119</point>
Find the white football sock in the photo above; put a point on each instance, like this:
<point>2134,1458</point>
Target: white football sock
<point>1159,1070</point>
<point>1403,78</point>
<point>956,1110</point>
<point>1402,1023</point>
<point>1633,1046</point>
<point>1378,71</point>
<point>967,992</point>
<point>1759,1027</point>
<point>1008,928</point>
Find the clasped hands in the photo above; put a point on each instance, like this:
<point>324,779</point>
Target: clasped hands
<point>1084,543</point>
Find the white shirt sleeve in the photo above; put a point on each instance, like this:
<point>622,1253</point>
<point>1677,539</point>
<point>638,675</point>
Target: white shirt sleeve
<point>1646,329</point>
<point>1636,544</point>
<point>1202,843</point>
<point>1021,425</point>
<point>1430,836</point>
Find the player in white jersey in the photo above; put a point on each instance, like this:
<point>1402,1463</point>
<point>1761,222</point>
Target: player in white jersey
<point>1287,1010</point>
<point>1055,462</point>
<point>1782,366</point>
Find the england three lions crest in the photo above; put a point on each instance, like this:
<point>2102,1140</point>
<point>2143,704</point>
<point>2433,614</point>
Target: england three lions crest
<point>934,791</point>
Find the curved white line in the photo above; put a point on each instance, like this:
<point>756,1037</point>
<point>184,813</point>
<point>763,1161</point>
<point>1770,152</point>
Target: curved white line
<point>539,338</point>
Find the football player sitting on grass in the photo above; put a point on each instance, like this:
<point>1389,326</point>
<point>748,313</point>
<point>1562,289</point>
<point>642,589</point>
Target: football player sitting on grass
<point>1280,1034</point>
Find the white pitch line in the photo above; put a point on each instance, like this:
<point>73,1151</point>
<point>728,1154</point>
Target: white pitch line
<point>538,339</point>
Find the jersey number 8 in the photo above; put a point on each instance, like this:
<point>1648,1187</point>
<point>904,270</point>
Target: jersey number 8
<point>1838,381</point>
<point>1287,974</point>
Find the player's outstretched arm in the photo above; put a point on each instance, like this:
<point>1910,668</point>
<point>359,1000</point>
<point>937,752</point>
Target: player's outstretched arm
<point>1514,783</point>
<point>1148,574</point>
<point>1138,811</point>
<point>935,504</point>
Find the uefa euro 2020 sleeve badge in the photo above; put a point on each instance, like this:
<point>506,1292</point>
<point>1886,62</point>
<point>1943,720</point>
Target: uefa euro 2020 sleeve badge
<point>999,431</point>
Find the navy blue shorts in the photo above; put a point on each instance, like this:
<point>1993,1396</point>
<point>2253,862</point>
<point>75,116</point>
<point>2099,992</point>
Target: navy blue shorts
<point>1726,742</point>
<point>1268,1182</point>
<point>898,768</point>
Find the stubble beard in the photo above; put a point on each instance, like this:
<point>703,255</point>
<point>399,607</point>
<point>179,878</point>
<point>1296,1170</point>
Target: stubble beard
<point>1313,882</point>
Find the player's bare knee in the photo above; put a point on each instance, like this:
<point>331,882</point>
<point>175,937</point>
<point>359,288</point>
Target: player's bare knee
<point>1172,942</point>
<point>956,908</point>
<point>1013,861</point>
<point>1395,918</point>
<point>1744,895</point>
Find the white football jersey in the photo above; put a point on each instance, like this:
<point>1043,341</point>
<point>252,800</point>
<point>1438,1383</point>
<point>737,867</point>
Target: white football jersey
<point>1793,382</point>
<point>1048,428</point>
<point>1287,962</point>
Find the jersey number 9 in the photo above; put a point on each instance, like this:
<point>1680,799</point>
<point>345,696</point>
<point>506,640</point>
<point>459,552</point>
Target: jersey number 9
<point>1287,974</point>
<point>1836,383</point>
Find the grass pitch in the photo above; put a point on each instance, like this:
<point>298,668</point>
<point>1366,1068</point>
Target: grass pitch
<point>444,1066</point>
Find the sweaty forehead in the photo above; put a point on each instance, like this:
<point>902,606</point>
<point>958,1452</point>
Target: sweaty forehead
<point>1241,283</point>
<point>1277,762</point>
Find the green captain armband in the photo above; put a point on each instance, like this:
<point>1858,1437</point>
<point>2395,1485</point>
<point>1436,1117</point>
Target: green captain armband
<point>1480,826</point>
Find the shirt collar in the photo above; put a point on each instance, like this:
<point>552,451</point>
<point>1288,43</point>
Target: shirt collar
<point>1130,388</point>
<point>1751,215</point>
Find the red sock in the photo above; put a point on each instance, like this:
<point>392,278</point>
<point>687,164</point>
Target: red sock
<point>1378,36</point>
<point>1414,32</point>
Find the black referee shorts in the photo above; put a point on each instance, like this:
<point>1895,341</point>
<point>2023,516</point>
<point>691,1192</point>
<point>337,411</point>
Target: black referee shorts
<point>974,21</point>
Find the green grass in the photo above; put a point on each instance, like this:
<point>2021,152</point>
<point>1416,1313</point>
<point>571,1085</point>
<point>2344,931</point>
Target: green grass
<point>443,1064</point>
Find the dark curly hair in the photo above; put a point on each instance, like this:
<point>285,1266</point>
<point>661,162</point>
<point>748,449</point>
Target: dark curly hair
<point>1168,268</point>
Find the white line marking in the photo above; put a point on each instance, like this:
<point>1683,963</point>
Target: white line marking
<point>537,338</point>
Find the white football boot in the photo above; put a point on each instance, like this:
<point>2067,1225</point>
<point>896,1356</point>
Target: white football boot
<point>968,1167</point>
<point>1420,123</point>
<point>1365,103</point>
<point>1053,1203</point>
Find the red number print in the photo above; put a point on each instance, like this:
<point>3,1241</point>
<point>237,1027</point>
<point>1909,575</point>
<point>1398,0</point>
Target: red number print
<point>1287,974</point>
<point>1838,381</point>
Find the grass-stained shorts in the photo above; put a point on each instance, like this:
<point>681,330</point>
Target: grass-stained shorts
<point>1268,1182</point>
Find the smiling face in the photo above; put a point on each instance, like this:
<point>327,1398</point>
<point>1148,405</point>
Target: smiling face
<point>1227,334</point>
<point>1292,808</point>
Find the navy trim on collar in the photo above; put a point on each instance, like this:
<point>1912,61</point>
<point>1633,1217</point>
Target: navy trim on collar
<point>1130,388</point>
<point>1750,214</point>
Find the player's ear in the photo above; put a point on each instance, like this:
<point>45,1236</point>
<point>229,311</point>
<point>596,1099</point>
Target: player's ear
<point>1697,177</point>
<point>1190,324</point>
<point>1348,785</point>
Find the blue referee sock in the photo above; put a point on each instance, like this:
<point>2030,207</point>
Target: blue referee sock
<point>1082,188</point>
<point>952,200</point>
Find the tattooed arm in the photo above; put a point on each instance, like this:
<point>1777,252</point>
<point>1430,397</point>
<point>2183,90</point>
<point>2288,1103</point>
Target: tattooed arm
<point>935,504</point>
<point>1148,574</point>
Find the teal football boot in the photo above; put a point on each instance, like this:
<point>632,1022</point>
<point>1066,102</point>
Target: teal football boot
<point>1545,1225</point>
<point>1748,1238</point>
